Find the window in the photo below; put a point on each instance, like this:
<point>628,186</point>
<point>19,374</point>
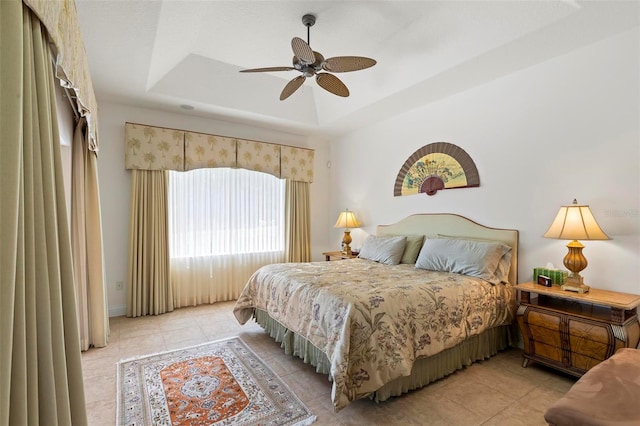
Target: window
<point>224,224</point>
<point>225,211</point>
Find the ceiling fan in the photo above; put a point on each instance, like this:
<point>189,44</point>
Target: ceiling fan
<point>311,63</point>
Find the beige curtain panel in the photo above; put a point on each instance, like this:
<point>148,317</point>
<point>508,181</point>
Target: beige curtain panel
<point>159,148</point>
<point>149,286</point>
<point>86,239</point>
<point>297,222</point>
<point>40,364</point>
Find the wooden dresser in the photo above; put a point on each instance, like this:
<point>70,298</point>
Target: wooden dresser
<point>573,332</point>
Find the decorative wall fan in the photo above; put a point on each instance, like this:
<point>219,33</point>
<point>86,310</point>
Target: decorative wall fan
<point>311,63</point>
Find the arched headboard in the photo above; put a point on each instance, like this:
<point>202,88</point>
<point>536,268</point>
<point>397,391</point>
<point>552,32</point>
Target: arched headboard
<point>454,225</point>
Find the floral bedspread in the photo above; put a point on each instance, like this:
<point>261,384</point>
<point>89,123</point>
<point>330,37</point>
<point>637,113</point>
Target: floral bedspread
<point>373,320</point>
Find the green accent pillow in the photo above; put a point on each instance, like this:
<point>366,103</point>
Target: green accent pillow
<point>412,249</point>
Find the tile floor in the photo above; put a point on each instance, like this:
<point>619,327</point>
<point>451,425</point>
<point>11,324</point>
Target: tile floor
<point>497,391</point>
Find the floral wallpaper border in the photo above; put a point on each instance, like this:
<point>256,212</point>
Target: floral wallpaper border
<point>159,148</point>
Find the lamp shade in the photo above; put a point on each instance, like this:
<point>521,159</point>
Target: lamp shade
<point>347,220</point>
<point>575,222</point>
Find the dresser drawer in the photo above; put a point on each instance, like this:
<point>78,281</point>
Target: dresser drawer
<point>544,327</point>
<point>589,330</point>
<point>550,352</point>
<point>591,340</point>
<point>584,362</point>
<point>586,347</point>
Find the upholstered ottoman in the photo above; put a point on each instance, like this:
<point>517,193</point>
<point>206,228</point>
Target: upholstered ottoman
<point>608,394</point>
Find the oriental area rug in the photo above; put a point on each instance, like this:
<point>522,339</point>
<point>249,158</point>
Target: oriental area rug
<point>217,383</point>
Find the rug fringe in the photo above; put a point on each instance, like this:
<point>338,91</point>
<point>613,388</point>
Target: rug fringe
<point>118,393</point>
<point>138,357</point>
<point>306,422</point>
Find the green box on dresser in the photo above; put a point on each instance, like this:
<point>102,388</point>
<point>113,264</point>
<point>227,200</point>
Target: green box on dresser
<point>558,276</point>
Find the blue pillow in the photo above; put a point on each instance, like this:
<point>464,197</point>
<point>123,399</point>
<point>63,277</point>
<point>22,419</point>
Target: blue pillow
<point>474,258</point>
<point>387,250</point>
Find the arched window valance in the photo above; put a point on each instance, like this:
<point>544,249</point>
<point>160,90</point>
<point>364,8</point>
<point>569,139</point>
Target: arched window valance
<point>159,148</point>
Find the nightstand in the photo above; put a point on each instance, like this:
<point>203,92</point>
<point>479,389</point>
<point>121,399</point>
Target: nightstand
<point>573,332</point>
<point>337,255</point>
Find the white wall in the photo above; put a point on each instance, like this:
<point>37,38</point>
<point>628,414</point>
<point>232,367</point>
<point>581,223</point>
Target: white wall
<point>66,125</point>
<point>563,129</point>
<point>115,180</point>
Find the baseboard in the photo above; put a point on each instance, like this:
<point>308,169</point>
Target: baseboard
<point>118,311</point>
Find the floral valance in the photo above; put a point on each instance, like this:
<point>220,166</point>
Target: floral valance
<point>61,21</point>
<point>158,148</point>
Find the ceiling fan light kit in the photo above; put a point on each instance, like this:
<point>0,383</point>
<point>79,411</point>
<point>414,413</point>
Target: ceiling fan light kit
<point>310,63</point>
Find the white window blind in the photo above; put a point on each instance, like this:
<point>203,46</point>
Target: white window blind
<point>223,225</point>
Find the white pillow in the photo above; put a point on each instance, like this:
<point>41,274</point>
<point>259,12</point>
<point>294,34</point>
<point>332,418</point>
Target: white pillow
<point>383,249</point>
<point>474,258</point>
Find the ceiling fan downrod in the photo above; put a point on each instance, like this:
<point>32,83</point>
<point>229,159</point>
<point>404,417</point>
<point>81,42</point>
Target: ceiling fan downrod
<point>308,20</point>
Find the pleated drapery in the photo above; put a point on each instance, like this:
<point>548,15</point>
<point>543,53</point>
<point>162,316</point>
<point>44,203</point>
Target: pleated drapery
<point>40,364</point>
<point>86,240</point>
<point>224,225</point>
<point>297,222</point>
<point>149,287</point>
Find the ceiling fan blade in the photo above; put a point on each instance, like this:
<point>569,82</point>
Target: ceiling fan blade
<point>332,84</point>
<point>292,86</point>
<point>319,59</point>
<point>347,63</point>
<point>268,69</point>
<point>302,50</point>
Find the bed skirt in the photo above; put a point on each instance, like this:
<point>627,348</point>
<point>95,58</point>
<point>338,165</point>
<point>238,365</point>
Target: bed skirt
<point>425,370</point>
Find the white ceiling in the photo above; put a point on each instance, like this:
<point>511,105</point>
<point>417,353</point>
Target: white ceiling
<point>166,53</point>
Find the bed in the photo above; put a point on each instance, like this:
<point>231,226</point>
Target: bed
<point>395,319</point>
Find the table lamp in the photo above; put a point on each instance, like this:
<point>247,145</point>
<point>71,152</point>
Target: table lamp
<point>347,220</point>
<point>575,222</point>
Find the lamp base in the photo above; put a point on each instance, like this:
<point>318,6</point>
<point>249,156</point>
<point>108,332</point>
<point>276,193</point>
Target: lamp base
<point>578,289</point>
<point>575,284</point>
<point>346,240</point>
